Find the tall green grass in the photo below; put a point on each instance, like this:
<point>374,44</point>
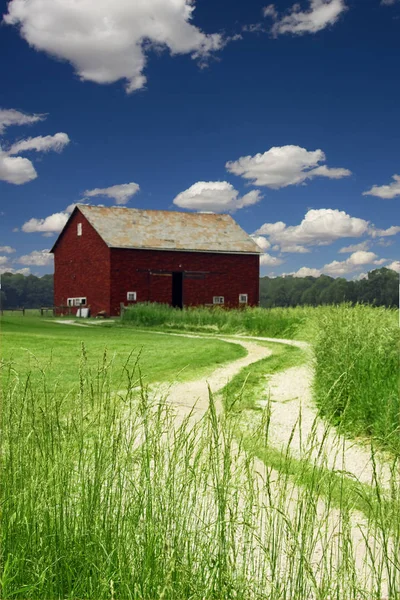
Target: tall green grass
<point>104,496</point>
<point>256,321</point>
<point>356,350</point>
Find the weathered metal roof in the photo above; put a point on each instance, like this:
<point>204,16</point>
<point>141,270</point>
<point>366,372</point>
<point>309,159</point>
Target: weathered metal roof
<point>168,230</point>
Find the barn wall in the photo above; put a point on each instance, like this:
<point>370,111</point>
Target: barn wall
<point>82,266</point>
<point>227,275</point>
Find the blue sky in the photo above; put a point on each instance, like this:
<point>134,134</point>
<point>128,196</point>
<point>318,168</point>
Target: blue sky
<point>287,117</point>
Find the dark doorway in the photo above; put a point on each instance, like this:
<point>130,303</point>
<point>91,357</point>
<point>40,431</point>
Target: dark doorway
<point>177,290</point>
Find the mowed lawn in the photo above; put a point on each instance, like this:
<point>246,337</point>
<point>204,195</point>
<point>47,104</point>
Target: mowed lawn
<point>32,344</point>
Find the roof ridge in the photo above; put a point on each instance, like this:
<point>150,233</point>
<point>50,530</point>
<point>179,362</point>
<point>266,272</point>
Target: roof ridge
<point>180,212</point>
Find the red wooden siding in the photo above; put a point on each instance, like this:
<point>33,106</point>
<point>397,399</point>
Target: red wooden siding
<point>82,266</point>
<point>225,275</point>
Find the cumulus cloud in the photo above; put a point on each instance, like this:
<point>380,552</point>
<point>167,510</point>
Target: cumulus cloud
<point>7,249</point>
<point>320,14</point>
<point>10,116</point>
<point>46,143</point>
<point>107,41</point>
<point>121,194</point>
<point>215,196</point>
<point>3,260</point>
<point>360,276</point>
<point>395,266</point>
<point>306,272</point>
<point>18,170</point>
<point>357,259</point>
<point>284,165</point>
<point>15,169</point>
<point>51,224</point>
<point>37,258</point>
<point>261,241</point>
<point>7,269</point>
<point>354,247</point>
<point>294,249</point>
<point>270,261</point>
<point>393,230</point>
<point>339,268</point>
<point>319,227</point>
<point>387,192</point>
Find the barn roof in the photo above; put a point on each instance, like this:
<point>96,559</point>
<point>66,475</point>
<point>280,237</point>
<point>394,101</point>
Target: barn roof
<point>168,230</point>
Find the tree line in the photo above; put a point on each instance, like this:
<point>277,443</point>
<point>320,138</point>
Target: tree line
<point>380,288</point>
<point>21,291</point>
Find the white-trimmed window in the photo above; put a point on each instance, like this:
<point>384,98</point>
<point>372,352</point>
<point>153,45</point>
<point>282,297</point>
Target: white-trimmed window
<point>76,301</point>
<point>243,298</point>
<point>79,229</point>
<point>218,300</point>
<point>131,296</point>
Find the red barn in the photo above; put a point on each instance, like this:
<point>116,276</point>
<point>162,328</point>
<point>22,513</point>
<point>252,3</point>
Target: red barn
<point>108,256</point>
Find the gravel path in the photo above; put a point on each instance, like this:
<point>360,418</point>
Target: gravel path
<point>293,410</point>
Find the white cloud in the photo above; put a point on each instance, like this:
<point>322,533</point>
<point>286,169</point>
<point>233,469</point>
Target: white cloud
<point>215,196</point>
<point>319,227</point>
<point>3,260</point>
<point>306,272</point>
<point>354,248</point>
<point>15,169</point>
<point>387,192</point>
<point>270,261</point>
<point>18,170</point>
<point>393,230</point>
<point>395,266</point>
<point>321,14</point>
<point>46,143</point>
<point>108,41</point>
<point>388,2</point>
<point>338,268</point>
<point>294,249</point>
<point>120,193</point>
<point>25,271</point>
<point>51,224</point>
<point>37,258</point>
<point>360,276</point>
<point>9,117</point>
<point>261,241</point>
<point>284,165</point>
<point>357,259</point>
<point>7,249</point>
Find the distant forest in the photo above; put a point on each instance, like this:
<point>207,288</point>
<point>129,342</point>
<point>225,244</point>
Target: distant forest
<point>381,288</point>
<point>20,291</point>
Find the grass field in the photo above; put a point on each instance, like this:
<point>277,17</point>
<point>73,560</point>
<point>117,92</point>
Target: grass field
<point>103,497</point>
<point>34,345</point>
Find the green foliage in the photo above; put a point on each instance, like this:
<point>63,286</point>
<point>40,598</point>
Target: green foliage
<point>28,292</point>
<point>104,496</point>
<point>381,288</point>
<point>33,344</point>
<point>279,322</point>
<point>356,352</point>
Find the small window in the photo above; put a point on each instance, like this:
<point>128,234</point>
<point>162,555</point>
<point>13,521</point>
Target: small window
<point>131,296</point>
<point>76,301</point>
<point>218,300</point>
<point>79,229</point>
<point>243,298</point>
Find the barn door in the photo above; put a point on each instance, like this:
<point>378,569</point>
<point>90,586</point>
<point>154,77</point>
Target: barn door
<point>177,290</point>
